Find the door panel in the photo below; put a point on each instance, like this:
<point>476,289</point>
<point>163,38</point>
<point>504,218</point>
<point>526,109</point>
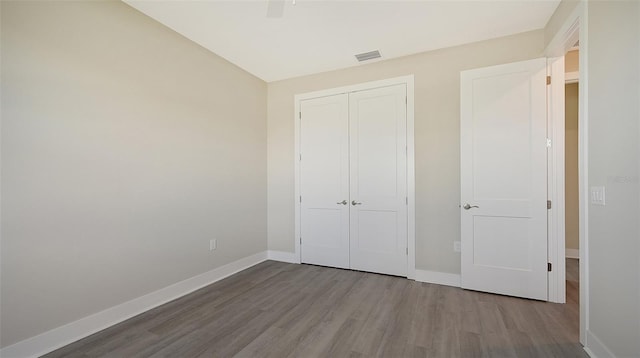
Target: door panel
<point>324,181</point>
<point>504,174</point>
<point>505,234</point>
<point>378,229</point>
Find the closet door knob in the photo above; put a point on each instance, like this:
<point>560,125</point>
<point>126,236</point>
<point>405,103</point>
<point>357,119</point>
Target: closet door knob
<point>344,202</point>
<point>354,203</point>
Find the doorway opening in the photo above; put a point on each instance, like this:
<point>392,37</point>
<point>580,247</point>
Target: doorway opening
<point>571,33</point>
<point>572,193</point>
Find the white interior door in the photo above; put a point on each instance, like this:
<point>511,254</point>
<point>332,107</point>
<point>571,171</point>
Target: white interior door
<point>324,181</point>
<point>378,167</point>
<point>504,179</point>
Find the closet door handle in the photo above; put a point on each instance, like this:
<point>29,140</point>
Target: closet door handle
<point>354,203</point>
<point>344,202</point>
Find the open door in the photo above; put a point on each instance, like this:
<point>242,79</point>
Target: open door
<point>503,126</point>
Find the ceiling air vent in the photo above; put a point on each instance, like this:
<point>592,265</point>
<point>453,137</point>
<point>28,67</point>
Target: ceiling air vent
<point>368,55</point>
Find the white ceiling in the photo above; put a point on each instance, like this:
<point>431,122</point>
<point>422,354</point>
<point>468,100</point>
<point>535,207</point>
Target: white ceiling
<point>318,36</point>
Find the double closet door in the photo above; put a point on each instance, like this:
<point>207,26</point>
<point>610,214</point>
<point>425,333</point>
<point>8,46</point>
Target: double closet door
<point>353,180</point>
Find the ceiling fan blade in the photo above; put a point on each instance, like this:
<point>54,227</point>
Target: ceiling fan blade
<point>275,8</point>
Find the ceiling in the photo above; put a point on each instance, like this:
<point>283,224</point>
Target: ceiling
<point>317,36</point>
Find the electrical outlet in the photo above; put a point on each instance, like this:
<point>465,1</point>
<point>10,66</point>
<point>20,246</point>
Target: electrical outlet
<point>213,244</point>
<point>457,247</point>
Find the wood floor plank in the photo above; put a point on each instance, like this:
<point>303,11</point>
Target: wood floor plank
<point>422,324</point>
<point>279,310</point>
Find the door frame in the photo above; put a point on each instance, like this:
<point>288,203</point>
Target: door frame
<point>573,28</point>
<point>411,227</point>
<point>556,278</point>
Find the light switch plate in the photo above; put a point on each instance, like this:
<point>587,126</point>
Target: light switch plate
<point>597,195</point>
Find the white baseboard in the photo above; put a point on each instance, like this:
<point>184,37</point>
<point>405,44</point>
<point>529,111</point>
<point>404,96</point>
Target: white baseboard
<point>572,253</point>
<point>595,348</point>
<point>440,278</point>
<point>61,336</point>
<point>589,352</point>
<point>282,256</point>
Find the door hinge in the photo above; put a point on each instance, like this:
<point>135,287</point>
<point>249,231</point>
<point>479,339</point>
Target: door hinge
<point>549,266</point>
<point>406,200</point>
<point>548,204</point>
<point>407,249</point>
<point>300,198</point>
<point>301,157</point>
<point>300,240</point>
<point>548,142</point>
<point>548,80</point>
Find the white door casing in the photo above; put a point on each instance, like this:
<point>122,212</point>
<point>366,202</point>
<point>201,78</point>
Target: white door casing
<point>324,178</point>
<point>504,173</point>
<point>378,176</point>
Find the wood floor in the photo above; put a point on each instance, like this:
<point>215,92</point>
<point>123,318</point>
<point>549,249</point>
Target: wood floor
<point>283,310</point>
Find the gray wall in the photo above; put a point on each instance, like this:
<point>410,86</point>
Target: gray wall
<point>613,148</point>
<point>614,135</point>
<point>125,148</point>
<point>437,138</point>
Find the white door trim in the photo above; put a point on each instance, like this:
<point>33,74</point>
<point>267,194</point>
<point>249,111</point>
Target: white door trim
<point>556,181</point>
<point>409,82</point>
<point>573,29</point>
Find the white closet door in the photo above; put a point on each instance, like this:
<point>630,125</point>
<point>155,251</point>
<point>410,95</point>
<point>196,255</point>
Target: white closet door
<point>378,230</point>
<point>504,179</point>
<point>324,181</point>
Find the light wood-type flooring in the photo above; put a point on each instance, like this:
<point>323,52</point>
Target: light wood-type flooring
<point>276,309</point>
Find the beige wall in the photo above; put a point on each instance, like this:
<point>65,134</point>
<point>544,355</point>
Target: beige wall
<point>571,61</point>
<point>613,70</point>
<point>437,132</point>
<point>125,148</point>
<point>571,167</point>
